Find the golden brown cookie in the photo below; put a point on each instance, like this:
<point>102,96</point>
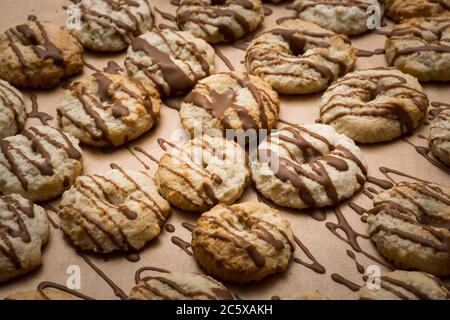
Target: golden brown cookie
<point>374,105</point>
<point>109,25</point>
<point>106,109</point>
<point>404,285</point>
<point>231,100</point>
<point>164,285</point>
<point>203,172</point>
<point>38,54</point>
<point>40,163</point>
<point>400,10</point>
<point>24,230</point>
<point>243,242</point>
<point>118,210</point>
<point>440,136</point>
<point>308,166</point>
<point>219,20</point>
<point>173,61</point>
<point>12,110</point>
<point>410,226</point>
<point>299,57</point>
<point>421,47</point>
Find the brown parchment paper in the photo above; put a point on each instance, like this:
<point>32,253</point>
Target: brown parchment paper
<point>326,247</point>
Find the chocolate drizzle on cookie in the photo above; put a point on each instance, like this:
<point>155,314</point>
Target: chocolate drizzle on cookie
<point>217,103</point>
<point>369,87</point>
<point>228,228</point>
<point>45,164</point>
<point>293,170</point>
<point>174,76</point>
<point>148,284</point>
<point>298,41</point>
<point>19,212</point>
<point>192,12</point>
<point>5,91</point>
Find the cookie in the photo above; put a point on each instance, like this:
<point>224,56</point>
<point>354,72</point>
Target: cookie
<point>299,57</point>
<point>440,136</point>
<point>374,105</point>
<point>400,10</point>
<point>173,61</point>
<point>231,100</point>
<point>404,285</point>
<point>302,166</point>
<point>219,20</point>
<point>348,17</point>
<point>40,163</point>
<point>38,54</point>
<point>109,25</point>
<point>242,243</point>
<point>12,110</point>
<point>43,294</point>
<point>203,172</point>
<point>118,210</point>
<point>179,286</point>
<point>410,225</point>
<point>108,109</point>
<point>421,47</point>
<point>24,230</point>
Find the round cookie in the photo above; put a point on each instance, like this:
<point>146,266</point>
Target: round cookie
<point>118,210</point>
<point>440,136</point>
<point>40,163</point>
<point>374,105</point>
<point>242,243</point>
<point>421,47</point>
<point>404,285</point>
<point>38,54</point>
<point>106,109</point>
<point>410,224</point>
<point>12,110</point>
<point>348,17</point>
<point>173,61</point>
<point>302,166</point>
<point>203,172</point>
<point>400,10</point>
<point>179,286</point>
<point>231,100</point>
<point>109,25</point>
<point>299,57</point>
<point>24,230</point>
<point>219,20</point>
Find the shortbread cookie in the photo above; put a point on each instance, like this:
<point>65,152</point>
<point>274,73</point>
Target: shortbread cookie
<point>299,57</point>
<point>24,230</point>
<point>219,20</point>
<point>203,172</point>
<point>109,25</point>
<point>400,10</point>
<point>308,166</point>
<point>404,285</point>
<point>173,61</point>
<point>230,100</point>
<point>440,136</point>
<point>374,105</point>
<point>40,163</point>
<point>242,243</point>
<point>179,286</point>
<point>421,47</point>
<point>38,54</point>
<point>118,210</point>
<point>12,110</point>
<point>342,16</point>
<point>410,225</point>
<point>109,109</point>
